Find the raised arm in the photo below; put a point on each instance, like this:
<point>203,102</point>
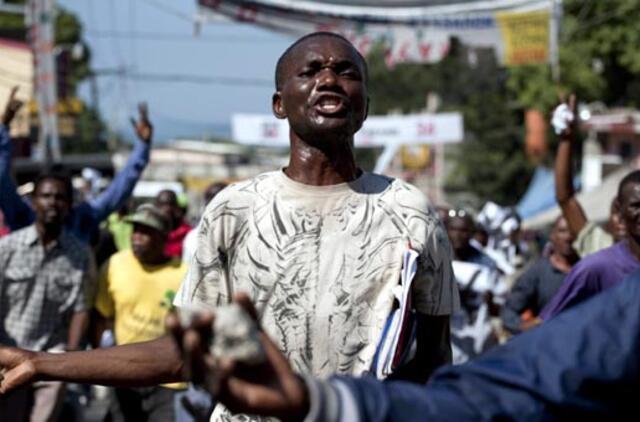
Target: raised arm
<point>17,213</point>
<point>565,195</point>
<point>119,191</point>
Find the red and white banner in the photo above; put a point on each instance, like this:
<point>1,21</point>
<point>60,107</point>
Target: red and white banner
<point>377,131</point>
<point>521,31</point>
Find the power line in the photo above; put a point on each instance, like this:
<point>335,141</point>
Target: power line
<point>169,10</point>
<point>184,78</point>
<point>199,79</point>
<point>167,36</point>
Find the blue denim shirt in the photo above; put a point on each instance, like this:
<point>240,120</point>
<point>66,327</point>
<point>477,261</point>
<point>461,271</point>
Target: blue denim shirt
<point>84,218</point>
<point>583,364</point>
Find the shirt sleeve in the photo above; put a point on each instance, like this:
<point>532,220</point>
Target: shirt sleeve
<point>592,238</point>
<point>434,290</point>
<point>519,299</point>
<point>17,212</point>
<point>104,301</point>
<point>119,191</point>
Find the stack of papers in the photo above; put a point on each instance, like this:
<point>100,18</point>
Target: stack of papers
<point>397,344</point>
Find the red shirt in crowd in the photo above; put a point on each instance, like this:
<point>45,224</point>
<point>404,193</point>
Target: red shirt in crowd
<point>175,240</point>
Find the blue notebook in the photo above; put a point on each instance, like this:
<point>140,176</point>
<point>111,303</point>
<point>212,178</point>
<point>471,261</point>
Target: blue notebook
<point>397,344</point>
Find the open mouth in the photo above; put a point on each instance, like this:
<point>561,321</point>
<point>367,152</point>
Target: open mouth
<point>330,104</point>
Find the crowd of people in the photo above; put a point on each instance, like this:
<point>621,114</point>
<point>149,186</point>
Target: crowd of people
<point>89,289</point>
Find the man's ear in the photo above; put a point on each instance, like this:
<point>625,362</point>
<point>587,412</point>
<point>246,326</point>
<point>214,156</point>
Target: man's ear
<point>366,110</point>
<point>616,207</point>
<point>277,106</point>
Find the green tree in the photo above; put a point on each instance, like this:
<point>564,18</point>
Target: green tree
<point>490,163</point>
<point>90,136</point>
<point>599,58</point>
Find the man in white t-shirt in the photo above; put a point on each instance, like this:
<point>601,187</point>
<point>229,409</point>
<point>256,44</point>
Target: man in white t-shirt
<point>318,245</point>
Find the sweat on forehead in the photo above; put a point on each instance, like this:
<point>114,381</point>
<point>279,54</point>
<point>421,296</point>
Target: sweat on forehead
<point>314,35</point>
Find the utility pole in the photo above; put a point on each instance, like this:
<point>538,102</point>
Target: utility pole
<point>40,20</point>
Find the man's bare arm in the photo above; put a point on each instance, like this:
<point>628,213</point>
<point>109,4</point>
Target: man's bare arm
<point>141,364</point>
<point>565,195</point>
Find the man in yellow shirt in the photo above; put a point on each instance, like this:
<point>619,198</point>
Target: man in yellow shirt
<point>135,291</point>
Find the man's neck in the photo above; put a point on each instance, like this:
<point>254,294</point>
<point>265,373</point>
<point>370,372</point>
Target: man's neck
<point>48,234</point>
<point>561,262</point>
<point>465,253</point>
<point>311,165</point>
<point>153,261</point>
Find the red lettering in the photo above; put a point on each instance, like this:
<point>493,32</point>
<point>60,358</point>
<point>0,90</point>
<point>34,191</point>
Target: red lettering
<point>426,128</point>
<point>424,50</point>
<point>247,13</point>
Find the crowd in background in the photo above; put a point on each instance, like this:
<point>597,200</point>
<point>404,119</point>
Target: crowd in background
<point>94,272</point>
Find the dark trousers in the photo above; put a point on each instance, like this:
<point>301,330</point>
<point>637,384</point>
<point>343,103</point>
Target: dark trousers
<point>149,404</point>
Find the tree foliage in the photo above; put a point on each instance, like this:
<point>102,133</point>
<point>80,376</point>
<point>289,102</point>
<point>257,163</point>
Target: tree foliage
<point>68,31</point>
<point>490,163</point>
<point>599,60</point>
<point>599,57</point>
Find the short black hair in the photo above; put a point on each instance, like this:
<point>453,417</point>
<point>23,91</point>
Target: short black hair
<point>633,177</point>
<point>281,60</point>
<point>55,172</point>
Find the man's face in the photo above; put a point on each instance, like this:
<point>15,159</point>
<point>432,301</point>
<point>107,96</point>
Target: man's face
<point>51,202</point>
<point>629,204</point>
<point>615,225</point>
<point>146,242</point>
<point>460,231</point>
<point>562,239</point>
<point>167,203</point>
<point>323,91</point>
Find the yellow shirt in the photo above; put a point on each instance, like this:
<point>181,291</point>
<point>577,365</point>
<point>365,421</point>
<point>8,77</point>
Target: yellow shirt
<point>137,296</point>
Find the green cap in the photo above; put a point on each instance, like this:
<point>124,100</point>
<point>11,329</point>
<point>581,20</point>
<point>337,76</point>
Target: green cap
<point>182,199</point>
<point>150,216</point>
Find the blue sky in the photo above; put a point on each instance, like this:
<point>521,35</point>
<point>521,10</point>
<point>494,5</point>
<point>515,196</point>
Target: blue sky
<point>154,41</point>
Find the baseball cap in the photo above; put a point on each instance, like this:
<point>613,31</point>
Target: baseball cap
<point>150,216</point>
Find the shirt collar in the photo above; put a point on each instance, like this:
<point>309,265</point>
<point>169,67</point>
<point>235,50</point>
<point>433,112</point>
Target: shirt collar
<point>31,235</point>
<point>32,238</point>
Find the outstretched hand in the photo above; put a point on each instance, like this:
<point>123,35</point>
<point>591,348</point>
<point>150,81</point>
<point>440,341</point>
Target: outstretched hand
<point>143,127</point>
<point>267,389</point>
<point>16,368</point>
<point>564,119</point>
<point>12,107</point>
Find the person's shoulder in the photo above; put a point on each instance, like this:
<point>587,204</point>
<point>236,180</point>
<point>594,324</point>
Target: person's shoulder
<point>124,257</point>
<point>400,193</point>
<point>593,266</point>
<point>245,191</point>
<point>10,242</point>
<point>603,259</point>
<point>536,269</point>
<point>14,238</point>
<point>73,243</point>
<point>239,197</point>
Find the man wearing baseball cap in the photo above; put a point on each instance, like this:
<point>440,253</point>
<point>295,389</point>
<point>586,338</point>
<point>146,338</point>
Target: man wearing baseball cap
<point>135,292</point>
